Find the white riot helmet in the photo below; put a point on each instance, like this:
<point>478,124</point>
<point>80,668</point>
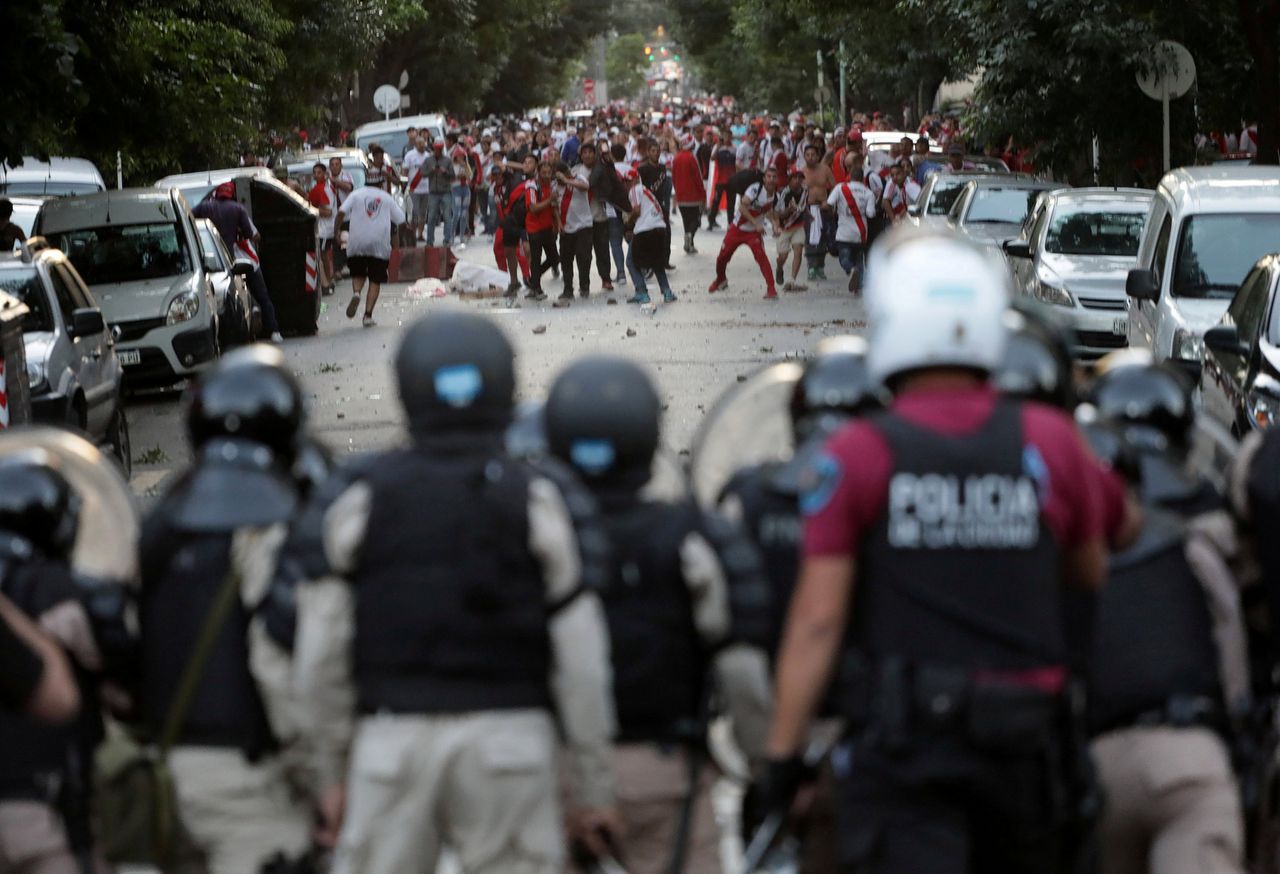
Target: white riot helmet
<point>933,300</point>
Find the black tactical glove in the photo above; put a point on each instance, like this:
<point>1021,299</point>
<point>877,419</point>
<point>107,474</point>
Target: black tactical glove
<point>772,791</point>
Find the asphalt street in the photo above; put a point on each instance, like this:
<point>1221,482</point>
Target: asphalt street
<point>696,348</point>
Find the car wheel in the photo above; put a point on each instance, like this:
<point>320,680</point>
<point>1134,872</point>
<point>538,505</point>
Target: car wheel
<point>118,439</point>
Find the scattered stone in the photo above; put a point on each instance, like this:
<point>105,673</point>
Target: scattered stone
<point>560,304</point>
<point>342,415</point>
<point>631,332</point>
<point>540,329</point>
<point>612,301</point>
<point>742,377</point>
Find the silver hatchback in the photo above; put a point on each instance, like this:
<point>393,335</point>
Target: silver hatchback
<point>76,380</point>
<point>1074,253</point>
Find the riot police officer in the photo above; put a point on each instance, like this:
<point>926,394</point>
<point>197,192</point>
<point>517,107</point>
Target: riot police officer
<point>1168,677</point>
<point>1154,405</point>
<point>213,689</point>
<point>45,779</point>
<point>966,514</point>
<point>765,498</point>
<point>452,624</point>
<point>686,600</point>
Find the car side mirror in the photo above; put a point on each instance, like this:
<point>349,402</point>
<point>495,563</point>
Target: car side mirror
<point>914,210</point>
<point>1017,248</point>
<point>1141,284</point>
<point>87,322</point>
<point>212,265</point>
<point>241,268</point>
<point>1225,340</point>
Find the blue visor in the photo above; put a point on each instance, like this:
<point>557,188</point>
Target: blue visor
<point>459,385</point>
<point>593,456</point>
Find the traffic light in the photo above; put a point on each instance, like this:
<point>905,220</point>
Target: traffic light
<point>664,51</point>
<point>648,50</point>
<point>677,59</point>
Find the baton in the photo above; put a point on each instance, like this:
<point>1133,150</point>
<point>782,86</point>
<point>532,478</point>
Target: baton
<point>763,840</point>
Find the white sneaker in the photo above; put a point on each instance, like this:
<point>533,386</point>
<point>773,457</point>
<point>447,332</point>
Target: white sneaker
<point>276,338</point>
<point>369,322</point>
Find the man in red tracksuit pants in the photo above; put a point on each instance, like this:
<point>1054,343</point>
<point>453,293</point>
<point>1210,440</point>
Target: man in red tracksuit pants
<point>748,229</point>
<point>503,187</point>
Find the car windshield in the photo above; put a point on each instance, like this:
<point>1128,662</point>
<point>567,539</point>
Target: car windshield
<point>392,142</point>
<point>125,253</point>
<point>1000,206</point>
<point>196,193</point>
<point>1086,231</point>
<point>55,187</point>
<point>945,193</point>
<point>1216,252</point>
<point>24,284</point>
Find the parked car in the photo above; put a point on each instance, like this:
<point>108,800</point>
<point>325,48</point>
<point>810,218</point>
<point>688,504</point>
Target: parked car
<point>1207,229</point>
<point>1240,379</point>
<point>139,251</point>
<point>937,196</point>
<point>57,177</point>
<point>354,161</point>
<point>238,316</point>
<point>393,134</point>
<point>75,378</point>
<point>1075,252</point>
<point>991,209</point>
<point>195,187</point>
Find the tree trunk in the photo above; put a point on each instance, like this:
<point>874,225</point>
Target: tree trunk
<point>1260,20</point>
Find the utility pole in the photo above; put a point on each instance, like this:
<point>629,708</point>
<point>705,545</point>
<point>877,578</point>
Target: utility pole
<point>821,83</point>
<point>844,106</point>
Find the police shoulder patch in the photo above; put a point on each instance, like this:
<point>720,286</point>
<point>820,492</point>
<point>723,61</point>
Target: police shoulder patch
<point>818,483</point>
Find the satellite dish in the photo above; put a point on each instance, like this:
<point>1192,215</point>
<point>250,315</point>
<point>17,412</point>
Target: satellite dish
<point>404,79</point>
<point>1171,72</point>
<point>386,99</point>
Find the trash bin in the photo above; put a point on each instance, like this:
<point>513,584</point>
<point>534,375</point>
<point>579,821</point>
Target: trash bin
<point>15,389</point>
<point>289,250</point>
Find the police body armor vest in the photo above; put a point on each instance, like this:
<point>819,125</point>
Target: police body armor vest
<point>961,570</point>
<point>771,518</point>
<point>451,609</point>
<point>183,571</point>
<point>1153,641</point>
<point>660,662</point>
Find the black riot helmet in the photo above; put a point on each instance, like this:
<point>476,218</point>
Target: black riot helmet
<point>835,385</point>
<point>38,504</point>
<point>456,371</point>
<point>249,395</point>
<point>1151,402</point>
<point>1110,444</point>
<point>603,416</point>
<point>1037,363</point>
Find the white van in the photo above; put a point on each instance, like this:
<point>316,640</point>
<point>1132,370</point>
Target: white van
<point>1207,228</point>
<point>393,135</point>
<point>57,177</point>
<point>139,252</point>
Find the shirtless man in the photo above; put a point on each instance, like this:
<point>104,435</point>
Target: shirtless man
<point>820,181</point>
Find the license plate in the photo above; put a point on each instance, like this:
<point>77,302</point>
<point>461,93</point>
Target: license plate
<point>1120,327</point>
<point>129,356</point>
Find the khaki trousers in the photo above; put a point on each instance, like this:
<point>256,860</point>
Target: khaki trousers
<point>652,785</point>
<point>236,815</point>
<point>483,784</point>
<point>33,841</point>
<point>1172,806</point>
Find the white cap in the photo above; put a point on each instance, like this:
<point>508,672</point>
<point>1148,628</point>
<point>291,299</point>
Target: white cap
<point>525,126</point>
<point>933,300</point>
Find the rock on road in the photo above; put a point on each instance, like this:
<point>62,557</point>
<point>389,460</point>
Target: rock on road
<point>696,348</point>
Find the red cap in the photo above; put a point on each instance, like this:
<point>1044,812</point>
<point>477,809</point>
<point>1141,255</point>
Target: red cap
<point>438,146</point>
<point>225,191</point>
<point>856,136</point>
